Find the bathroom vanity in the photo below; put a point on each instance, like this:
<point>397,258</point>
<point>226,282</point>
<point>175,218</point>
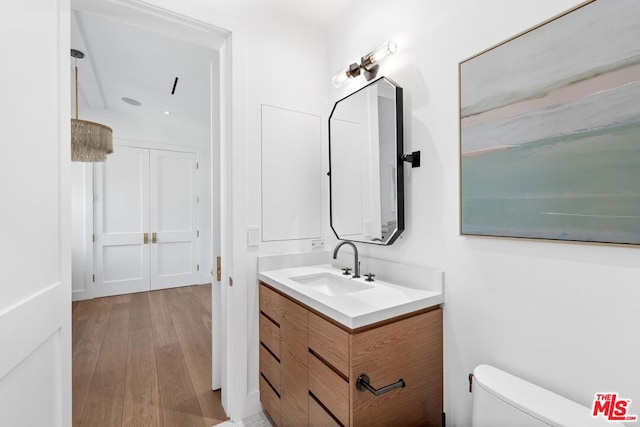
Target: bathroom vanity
<point>336,351</point>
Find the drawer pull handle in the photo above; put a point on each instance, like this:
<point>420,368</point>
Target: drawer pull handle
<point>363,384</point>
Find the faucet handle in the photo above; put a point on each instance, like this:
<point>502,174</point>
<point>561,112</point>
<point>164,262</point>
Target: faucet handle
<point>346,271</point>
<point>370,277</point>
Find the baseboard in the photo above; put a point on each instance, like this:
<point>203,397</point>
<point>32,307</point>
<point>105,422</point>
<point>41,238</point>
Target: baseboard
<point>252,404</point>
<point>81,295</point>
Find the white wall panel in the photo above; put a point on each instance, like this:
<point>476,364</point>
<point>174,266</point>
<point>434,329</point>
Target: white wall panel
<point>291,175</point>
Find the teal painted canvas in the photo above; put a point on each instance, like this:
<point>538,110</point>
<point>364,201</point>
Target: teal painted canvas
<point>550,130</point>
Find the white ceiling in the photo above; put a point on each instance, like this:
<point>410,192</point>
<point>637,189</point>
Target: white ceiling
<point>123,60</point>
<point>131,53</point>
<point>318,12</point>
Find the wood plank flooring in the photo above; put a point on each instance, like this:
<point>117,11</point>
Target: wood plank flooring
<point>145,360</point>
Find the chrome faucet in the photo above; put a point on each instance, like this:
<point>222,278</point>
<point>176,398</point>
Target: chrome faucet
<point>356,263</point>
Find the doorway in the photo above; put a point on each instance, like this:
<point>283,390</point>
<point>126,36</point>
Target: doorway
<point>213,39</point>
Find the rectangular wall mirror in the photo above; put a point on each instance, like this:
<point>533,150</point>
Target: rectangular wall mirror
<point>365,165</point>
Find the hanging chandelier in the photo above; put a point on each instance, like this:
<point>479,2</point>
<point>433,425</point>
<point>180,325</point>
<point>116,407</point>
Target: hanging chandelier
<point>90,141</point>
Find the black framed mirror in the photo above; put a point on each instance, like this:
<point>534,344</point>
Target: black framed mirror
<point>366,183</point>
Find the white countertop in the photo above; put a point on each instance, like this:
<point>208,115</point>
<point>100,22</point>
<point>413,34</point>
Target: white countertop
<point>381,301</point>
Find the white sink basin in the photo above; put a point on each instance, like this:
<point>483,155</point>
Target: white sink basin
<point>330,284</point>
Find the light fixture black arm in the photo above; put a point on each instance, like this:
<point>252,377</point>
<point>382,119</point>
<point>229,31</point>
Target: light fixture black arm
<point>413,158</point>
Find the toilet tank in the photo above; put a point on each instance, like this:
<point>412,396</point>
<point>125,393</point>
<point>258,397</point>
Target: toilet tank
<point>503,400</point>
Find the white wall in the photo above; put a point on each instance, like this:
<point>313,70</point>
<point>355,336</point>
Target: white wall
<point>290,72</point>
<point>559,314</point>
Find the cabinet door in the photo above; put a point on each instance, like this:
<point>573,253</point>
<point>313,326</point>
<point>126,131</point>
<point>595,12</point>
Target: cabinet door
<point>174,219</point>
<point>121,219</point>
<point>294,365</point>
<point>410,349</point>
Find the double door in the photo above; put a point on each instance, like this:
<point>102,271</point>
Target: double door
<point>146,221</point>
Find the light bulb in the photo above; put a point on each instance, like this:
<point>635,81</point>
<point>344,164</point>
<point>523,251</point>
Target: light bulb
<point>340,78</point>
<point>383,51</point>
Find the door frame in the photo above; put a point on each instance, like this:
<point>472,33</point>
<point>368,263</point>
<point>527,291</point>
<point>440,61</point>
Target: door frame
<point>237,400</point>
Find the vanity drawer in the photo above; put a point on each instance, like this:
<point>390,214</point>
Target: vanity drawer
<point>270,335</point>
<point>270,400</point>
<point>329,388</point>
<point>319,417</point>
<point>270,368</point>
<point>270,303</point>
<point>329,342</point>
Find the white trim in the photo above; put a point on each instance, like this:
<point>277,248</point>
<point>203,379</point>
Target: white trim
<point>252,403</point>
<point>137,143</point>
<point>89,221</point>
<point>64,355</point>
<point>89,286</point>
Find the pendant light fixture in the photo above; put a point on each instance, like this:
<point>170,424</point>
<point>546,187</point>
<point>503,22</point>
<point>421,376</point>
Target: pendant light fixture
<point>90,141</point>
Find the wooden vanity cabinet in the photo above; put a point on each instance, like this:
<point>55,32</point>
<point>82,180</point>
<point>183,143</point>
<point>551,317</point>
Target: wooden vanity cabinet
<point>270,353</point>
<point>311,378</point>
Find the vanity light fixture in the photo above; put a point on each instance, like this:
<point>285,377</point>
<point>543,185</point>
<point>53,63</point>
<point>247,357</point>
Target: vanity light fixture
<point>369,63</point>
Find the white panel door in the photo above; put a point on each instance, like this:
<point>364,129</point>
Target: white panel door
<point>35,216</point>
<point>174,219</point>
<point>121,221</point>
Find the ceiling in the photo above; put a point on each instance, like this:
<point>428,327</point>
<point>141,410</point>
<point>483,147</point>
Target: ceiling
<point>131,53</point>
<point>318,12</point>
<point>124,60</point>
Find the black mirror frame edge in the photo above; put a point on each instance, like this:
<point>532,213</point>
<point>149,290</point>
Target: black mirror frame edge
<point>399,164</point>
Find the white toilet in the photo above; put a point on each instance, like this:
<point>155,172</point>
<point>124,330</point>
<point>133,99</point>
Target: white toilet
<point>502,400</point>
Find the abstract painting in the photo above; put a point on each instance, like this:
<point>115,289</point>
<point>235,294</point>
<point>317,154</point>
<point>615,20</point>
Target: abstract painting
<point>550,130</point>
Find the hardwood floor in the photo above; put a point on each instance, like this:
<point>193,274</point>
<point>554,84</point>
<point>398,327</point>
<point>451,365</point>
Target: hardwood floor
<point>145,360</point>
